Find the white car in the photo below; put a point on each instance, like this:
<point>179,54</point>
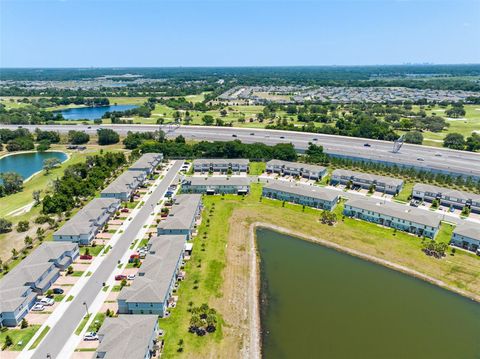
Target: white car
<point>47,301</point>
<point>38,307</point>
<point>131,277</point>
<point>90,336</point>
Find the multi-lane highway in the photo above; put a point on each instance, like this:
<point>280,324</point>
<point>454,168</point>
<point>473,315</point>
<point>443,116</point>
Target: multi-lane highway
<point>437,159</point>
<point>56,338</point>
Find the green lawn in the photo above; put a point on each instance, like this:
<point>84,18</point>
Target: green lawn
<point>94,251</point>
<point>406,191</point>
<point>40,337</point>
<point>97,322</point>
<point>82,324</point>
<point>22,336</point>
<point>257,168</point>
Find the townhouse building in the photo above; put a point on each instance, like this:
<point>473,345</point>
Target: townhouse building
<point>32,276</point>
<point>311,196</point>
<point>365,180</point>
<point>88,222</point>
<point>446,197</point>
<point>394,215</point>
<point>286,168</point>
<point>147,163</point>
<point>467,236</point>
<point>125,185</point>
<point>214,185</point>
<point>182,217</point>
<point>151,290</point>
<point>128,337</point>
<point>222,165</point>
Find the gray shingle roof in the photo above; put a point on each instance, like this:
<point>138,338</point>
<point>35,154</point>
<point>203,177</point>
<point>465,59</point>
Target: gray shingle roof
<point>397,210</point>
<point>158,267</point>
<point>369,177</point>
<point>148,160</point>
<point>127,336</point>
<point>468,229</point>
<point>320,193</point>
<point>124,182</point>
<point>182,212</point>
<point>452,193</point>
<point>220,161</point>
<point>296,165</point>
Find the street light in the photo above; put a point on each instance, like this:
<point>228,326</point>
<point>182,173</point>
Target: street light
<point>86,308</point>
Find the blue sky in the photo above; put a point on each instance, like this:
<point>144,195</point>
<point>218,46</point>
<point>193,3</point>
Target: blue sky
<point>82,33</point>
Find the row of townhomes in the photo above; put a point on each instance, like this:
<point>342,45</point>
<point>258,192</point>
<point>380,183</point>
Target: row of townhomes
<point>467,236</point>
<point>304,170</point>
<point>31,277</point>
<point>222,165</point>
<point>133,334</point>
<point>88,222</point>
<point>182,216</point>
<point>394,215</point>
<point>365,180</point>
<point>447,197</point>
<point>125,185</point>
<point>215,185</point>
<point>147,163</point>
<point>311,196</point>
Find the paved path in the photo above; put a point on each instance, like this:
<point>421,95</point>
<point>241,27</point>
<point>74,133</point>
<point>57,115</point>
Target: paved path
<point>56,338</point>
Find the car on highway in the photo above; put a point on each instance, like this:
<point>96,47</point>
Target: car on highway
<point>234,135</point>
<point>367,145</point>
<point>282,136</point>
<point>252,134</point>
<point>47,301</point>
<point>420,159</point>
<point>38,307</point>
<point>90,336</point>
<point>120,277</point>
<point>58,291</point>
<point>315,139</point>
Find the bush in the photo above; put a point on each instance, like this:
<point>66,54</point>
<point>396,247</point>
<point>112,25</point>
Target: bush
<point>5,225</point>
<point>23,226</point>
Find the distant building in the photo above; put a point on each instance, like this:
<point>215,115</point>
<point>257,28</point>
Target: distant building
<point>222,165</point>
<point>32,276</point>
<point>311,196</point>
<point>128,337</point>
<point>151,290</point>
<point>467,236</point>
<point>447,197</point>
<point>147,163</point>
<point>365,180</point>
<point>86,223</point>
<point>394,215</point>
<point>214,185</point>
<point>181,219</point>
<point>296,169</point>
<point>125,185</point>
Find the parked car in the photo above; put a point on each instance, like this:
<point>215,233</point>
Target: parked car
<point>131,277</point>
<point>38,307</point>
<point>47,301</point>
<point>58,291</point>
<point>124,210</point>
<point>120,277</point>
<point>86,256</point>
<point>90,336</point>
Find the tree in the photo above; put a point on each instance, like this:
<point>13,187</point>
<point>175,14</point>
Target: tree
<point>8,341</point>
<point>107,136</point>
<point>28,242</point>
<point>12,182</point>
<point>43,146</point>
<point>36,197</point>
<point>78,137</point>
<point>414,137</point>
<point>23,226</point>
<point>69,270</point>
<point>50,163</point>
<point>454,141</point>
<point>473,142</point>
<point>24,324</point>
<point>5,225</point>
<point>14,253</point>
<point>208,120</point>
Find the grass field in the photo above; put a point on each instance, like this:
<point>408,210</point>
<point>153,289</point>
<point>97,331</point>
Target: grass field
<point>206,269</point>
<point>40,338</point>
<point>20,337</point>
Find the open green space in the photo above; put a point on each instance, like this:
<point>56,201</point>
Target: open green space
<point>82,324</point>
<point>97,322</point>
<point>20,337</point>
<point>40,338</point>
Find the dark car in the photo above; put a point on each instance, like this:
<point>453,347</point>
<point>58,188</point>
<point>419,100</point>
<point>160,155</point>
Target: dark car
<point>234,135</point>
<point>57,291</point>
<point>367,145</point>
<point>282,136</point>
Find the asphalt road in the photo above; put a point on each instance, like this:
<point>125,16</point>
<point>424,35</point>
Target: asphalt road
<point>59,334</point>
<point>439,159</point>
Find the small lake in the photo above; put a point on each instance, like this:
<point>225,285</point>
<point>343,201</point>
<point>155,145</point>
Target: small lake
<point>319,303</point>
<point>92,113</point>
<point>26,164</point>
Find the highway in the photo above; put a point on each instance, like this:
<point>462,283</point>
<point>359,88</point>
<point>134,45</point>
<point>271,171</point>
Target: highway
<point>432,158</point>
<point>56,338</point>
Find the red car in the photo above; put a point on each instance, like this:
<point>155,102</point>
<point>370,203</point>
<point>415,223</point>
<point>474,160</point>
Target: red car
<point>125,210</point>
<point>120,277</point>
<point>86,256</point>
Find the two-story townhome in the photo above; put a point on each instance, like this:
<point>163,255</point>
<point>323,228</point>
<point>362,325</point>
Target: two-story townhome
<point>183,215</point>
<point>128,337</point>
<point>365,180</point>
<point>125,185</point>
<point>151,290</point>
<point>86,223</point>
<point>222,165</point>
<point>467,236</point>
<point>214,185</point>
<point>447,197</point>
<point>286,168</point>
<point>147,163</point>
<point>34,275</point>
<point>311,196</point>
<point>394,215</point>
